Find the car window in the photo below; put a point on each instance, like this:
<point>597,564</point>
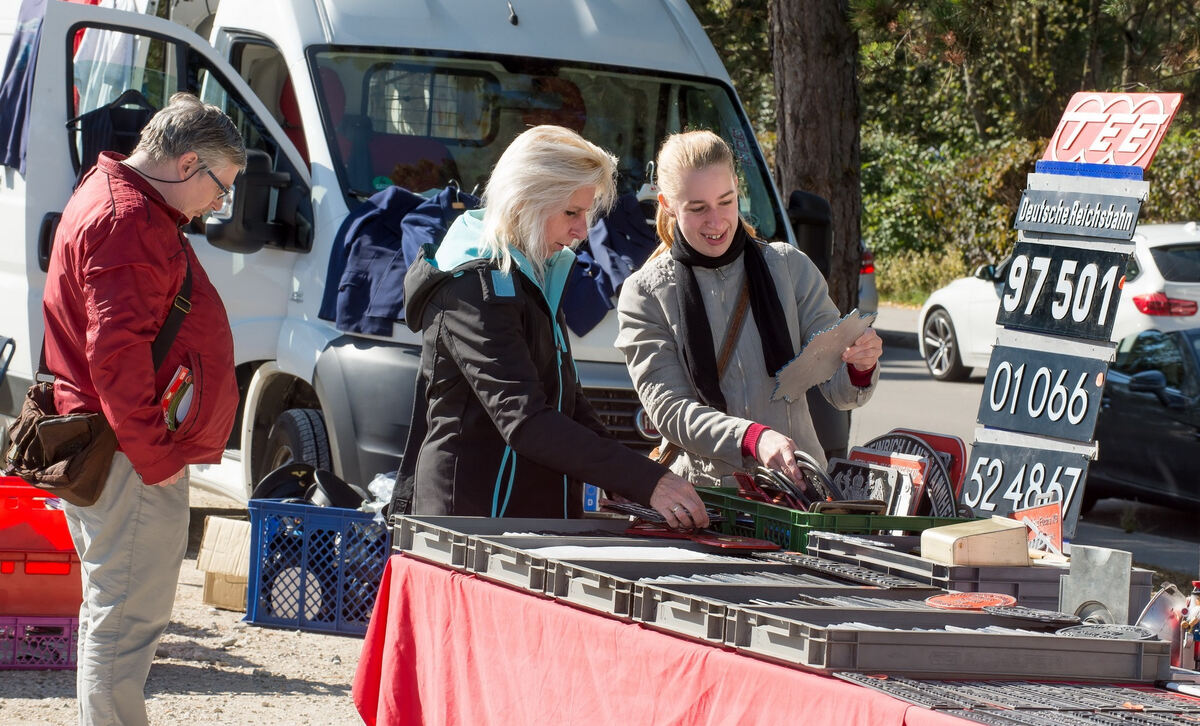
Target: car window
<point>1178,263</point>
<point>423,121</point>
<point>1151,350</point>
<point>119,80</point>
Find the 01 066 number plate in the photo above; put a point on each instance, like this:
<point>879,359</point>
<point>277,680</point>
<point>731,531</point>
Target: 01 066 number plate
<point>1063,290</point>
<point>1038,392</point>
<point>1002,478</point>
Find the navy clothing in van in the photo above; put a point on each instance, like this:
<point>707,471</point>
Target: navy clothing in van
<point>509,432</point>
<point>617,244</point>
<point>373,249</point>
<point>16,87</point>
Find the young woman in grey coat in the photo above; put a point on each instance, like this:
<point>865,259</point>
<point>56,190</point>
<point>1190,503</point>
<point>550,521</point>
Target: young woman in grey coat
<point>675,310</point>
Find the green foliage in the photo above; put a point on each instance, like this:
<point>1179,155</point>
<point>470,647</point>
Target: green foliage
<point>919,199</point>
<point>739,31</point>
<point>909,276</point>
<point>959,97</point>
<point>1175,176</point>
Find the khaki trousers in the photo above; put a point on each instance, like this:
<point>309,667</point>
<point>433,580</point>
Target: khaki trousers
<point>131,542</point>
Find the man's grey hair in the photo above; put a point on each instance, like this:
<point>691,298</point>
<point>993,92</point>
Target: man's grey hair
<point>186,124</point>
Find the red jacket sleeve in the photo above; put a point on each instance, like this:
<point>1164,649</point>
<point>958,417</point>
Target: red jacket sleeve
<point>129,280</point>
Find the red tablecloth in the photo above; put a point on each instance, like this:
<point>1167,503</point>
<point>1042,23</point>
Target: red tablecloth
<point>449,648</point>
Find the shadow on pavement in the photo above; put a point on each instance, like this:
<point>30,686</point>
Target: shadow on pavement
<point>208,681</point>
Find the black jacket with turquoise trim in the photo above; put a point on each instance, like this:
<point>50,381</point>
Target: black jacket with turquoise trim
<point>507,429</point>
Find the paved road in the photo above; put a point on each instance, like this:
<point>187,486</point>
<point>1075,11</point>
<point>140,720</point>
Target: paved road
<point>907,396</point>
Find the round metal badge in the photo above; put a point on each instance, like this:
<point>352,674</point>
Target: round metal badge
<point>969,600</point>
<point>1109,632</point>
<point>1042,616</point>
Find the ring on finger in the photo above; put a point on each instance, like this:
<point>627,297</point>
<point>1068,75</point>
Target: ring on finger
<point>676,508</point>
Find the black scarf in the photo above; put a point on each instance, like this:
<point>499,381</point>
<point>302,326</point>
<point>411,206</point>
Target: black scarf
<point>695,330</point>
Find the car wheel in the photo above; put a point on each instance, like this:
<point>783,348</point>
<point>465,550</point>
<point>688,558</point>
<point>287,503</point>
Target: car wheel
<point>941,348</point>
<point>297,436</point>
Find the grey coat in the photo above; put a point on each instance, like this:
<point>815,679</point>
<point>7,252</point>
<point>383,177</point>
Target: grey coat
<point>649,316</point>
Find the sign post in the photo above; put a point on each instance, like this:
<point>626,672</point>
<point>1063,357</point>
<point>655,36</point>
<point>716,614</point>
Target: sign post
<point>1075,225</point>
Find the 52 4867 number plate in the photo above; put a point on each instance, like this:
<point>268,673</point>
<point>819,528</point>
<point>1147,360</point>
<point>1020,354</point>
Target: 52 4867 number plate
<point>1002,478</point>
<point>1038,392</point>
<point>1062,290</point>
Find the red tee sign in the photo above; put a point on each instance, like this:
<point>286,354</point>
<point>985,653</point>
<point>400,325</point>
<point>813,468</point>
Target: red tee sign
<point>1113,128</point>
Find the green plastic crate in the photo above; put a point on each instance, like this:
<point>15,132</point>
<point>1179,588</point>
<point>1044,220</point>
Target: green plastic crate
<point>789,528</point>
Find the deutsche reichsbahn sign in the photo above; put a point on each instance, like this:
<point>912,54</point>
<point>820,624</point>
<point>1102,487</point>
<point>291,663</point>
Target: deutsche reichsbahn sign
<point>1086,215</point>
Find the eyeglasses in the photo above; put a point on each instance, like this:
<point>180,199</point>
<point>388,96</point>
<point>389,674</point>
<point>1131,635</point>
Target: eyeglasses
<point>224,189</point>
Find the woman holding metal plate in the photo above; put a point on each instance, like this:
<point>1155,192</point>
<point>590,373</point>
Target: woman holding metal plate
<point>709,276</point>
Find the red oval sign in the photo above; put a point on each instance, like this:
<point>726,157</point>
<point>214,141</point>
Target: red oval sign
<point>1113,128</point>
<point>969,600</point>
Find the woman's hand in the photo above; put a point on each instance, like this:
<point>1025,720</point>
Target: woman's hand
<point>865,352</point>
<point>675,498</point>
<point>776,451</point>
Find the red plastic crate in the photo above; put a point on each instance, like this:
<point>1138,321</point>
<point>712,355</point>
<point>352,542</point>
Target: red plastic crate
<point>38,643</point>
<point>39,570</point>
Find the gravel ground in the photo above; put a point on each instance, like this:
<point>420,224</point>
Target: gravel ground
<point>211,668</point>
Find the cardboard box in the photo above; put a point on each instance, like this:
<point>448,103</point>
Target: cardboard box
<point>998,541</point>
<point>225,559</point>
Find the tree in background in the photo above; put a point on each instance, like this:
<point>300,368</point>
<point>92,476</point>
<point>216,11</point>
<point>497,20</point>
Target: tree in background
<point>957,100</point>
<point>814,55</point>
<point>779,54</point>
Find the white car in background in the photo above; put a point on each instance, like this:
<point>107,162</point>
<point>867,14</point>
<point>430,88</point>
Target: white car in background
<point>957,325</point>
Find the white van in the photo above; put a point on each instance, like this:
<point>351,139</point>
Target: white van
<point>336,98</point>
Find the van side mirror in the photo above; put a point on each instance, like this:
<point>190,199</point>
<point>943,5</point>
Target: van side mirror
<point>248,227</point>
<point>812,221</point>
<point>986,272</point>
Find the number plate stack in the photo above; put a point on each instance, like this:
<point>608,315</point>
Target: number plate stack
<point>1058,304</point>
<point>812,612</point>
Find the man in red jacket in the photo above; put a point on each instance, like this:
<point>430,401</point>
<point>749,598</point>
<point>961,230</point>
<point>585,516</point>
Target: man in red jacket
<point>117,266</point>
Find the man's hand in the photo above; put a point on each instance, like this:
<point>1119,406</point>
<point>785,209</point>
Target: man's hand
<point>171,479</point>
<point>675,498</point>
<point>865,352</point>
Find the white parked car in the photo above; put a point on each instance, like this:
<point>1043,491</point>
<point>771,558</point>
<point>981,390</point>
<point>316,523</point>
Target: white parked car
<point>957,325</point>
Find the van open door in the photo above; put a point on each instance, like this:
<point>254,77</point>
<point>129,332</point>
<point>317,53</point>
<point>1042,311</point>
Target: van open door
<point>99,68</point>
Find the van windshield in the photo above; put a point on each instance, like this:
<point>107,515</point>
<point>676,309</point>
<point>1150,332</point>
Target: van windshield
<point>422,122</point>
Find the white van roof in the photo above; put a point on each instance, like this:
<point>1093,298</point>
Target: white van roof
<point>661,35</point>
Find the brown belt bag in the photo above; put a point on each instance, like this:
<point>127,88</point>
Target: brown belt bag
<point>66,455</point>
<point>69,455</point>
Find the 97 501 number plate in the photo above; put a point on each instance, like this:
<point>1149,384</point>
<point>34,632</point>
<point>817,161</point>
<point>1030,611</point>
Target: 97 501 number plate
<point>1038,392</point>
<point>1062,290</point>
<point>1002,478</point>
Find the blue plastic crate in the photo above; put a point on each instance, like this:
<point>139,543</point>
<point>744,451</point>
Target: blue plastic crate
<point>313,568</point>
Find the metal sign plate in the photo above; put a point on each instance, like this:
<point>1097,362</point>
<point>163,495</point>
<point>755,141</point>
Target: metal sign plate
<point>969,600</point>
<point>1062,290</point>
<point>1003,477</point>
<point>1086,215</point>
<point>1038,392</point>
<point>1113,128</point>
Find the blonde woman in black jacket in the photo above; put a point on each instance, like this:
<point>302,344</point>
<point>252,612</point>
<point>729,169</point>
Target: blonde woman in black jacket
<point>509,431</point>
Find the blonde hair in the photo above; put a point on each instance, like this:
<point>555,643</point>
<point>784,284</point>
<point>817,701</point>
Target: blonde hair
<point>534,178</point>
<point>680,154</point>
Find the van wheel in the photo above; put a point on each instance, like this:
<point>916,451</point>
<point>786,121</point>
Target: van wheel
<point>297,435</point>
